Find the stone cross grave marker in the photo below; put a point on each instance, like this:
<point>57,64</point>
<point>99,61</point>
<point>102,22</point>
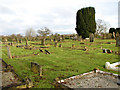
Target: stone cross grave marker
<point>9,52</point>
<point>36,68</point>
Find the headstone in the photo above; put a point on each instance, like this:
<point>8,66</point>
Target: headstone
<point>63,37</point>
<point>79,38</point>
<point>73,45</point>
<point>20,41</point>
<point>9,52</point>
<point>91,37</point>
<point>109,51</point>
<point>36,68</point>
<point>26,42</point>
<point>29,83</point>
<point>54,39</point>
<point>113,34</point>
<point>117,34</point>
<point>55,44</point>
<point>41,50</point>
<point>9,68</point>
<point>60,45</point>
<point>5,40</point>
<point>118,41</point>
<point>11,43</point>
<point>43,41</point>
<point>47,52</point>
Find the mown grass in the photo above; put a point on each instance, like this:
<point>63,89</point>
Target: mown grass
<point>62,62</point>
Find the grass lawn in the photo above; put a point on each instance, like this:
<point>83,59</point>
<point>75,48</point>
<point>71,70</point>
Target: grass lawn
<point>63,62</point>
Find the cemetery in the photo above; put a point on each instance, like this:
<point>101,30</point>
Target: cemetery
<point>87,59</point>
<point>49,67</point>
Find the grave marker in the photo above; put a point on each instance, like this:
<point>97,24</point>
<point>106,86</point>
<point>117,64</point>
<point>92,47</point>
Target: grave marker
<point>55,44</point>
<point>9,52</point>
<point>60,45</point>
<point>118,41</point>
<point>20,41</point>
<point>73,45</point>
<point>91,37</point>
<point>113,34</point>
<point>26,42</point>
<point>36,68</point>
<point>47,52</point>
<point>41,50</point>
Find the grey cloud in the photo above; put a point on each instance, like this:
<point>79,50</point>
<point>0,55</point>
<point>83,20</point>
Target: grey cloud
<point>6,10</point>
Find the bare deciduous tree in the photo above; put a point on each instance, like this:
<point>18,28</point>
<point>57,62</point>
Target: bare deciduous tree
<point>44,32</point>
<point>101,26</point>
<point>30,33</point>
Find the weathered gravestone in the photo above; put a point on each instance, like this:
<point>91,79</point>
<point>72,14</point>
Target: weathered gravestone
<point>5,41</point>
<point>9,68</point>
<point>117,34</point>
<point>114,35</point>
<point>11,43</point>
<point>79,38</point>
<point>55,44</point>
<point>60,45</point>
<point>41,50</point>
<point>20,41</point>
<point>47,52</point>
<point>9,52</point>
<point>36,68</point>
<point>26,42</point>
<point>118,41</point>
<point>43,41</point>
<point>54,39</point>
<point>73,45</point>
<point>63,37</point>
<point>91,37</point>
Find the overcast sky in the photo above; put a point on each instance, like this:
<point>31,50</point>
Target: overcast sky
<point>16,16</point>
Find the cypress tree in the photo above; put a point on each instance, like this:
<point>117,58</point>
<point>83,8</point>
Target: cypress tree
<point>111,30</point>
<point>118,30</point>
<point>85,21</point>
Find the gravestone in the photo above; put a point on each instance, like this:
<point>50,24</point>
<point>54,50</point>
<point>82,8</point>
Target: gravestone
<point>43,41</point>
<point>79,38</point>
<point>63,37</point>
<point>60,45</point>
<point>41,50</point>
<point>20,41</point>
<point>55,44</point>
<point>91,37</point>
<point>117,34</point>
<point>47,52</point>
<point>5,41</point>
<point>26,42</point>
<point>9,68</point>
<point>54,39</point>
<point>73,45</point>
<point>118,41</point>
<point>36,68</point>
<point>9,52</point>
<point>29,83</point>
<point>11,44</point>
<point>114,35</point>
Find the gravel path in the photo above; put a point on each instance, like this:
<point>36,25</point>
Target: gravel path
<point>94,80</point>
